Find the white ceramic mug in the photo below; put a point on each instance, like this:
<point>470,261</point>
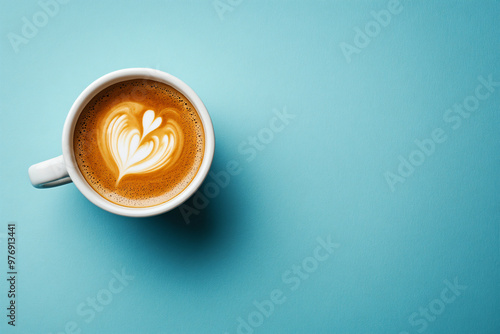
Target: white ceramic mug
<point>64,169</point>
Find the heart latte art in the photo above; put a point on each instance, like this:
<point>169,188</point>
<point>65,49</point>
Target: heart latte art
<point>134,141</point>
<point>139,143</point>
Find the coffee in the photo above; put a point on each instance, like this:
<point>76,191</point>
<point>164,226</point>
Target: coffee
<point>139,143</point>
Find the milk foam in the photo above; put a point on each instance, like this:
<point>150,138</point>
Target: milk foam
<point>97,163</point>
<point>137,142</point>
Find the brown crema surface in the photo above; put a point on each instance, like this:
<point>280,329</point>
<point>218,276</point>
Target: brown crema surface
<point>138,189</point>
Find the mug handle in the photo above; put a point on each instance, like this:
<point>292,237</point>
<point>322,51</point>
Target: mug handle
<point>49,173</point>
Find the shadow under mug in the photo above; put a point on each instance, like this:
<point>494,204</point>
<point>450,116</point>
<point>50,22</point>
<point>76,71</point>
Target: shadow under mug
<point>64,169</point>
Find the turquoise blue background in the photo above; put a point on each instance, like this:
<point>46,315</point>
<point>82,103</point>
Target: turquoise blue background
<point>323,175</point>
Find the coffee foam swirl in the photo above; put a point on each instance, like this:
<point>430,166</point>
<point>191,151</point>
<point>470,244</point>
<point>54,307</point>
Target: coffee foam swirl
<point>101,170</point>
<point>134,141</point>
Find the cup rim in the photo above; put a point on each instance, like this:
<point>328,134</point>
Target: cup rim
<point>106,81</point>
